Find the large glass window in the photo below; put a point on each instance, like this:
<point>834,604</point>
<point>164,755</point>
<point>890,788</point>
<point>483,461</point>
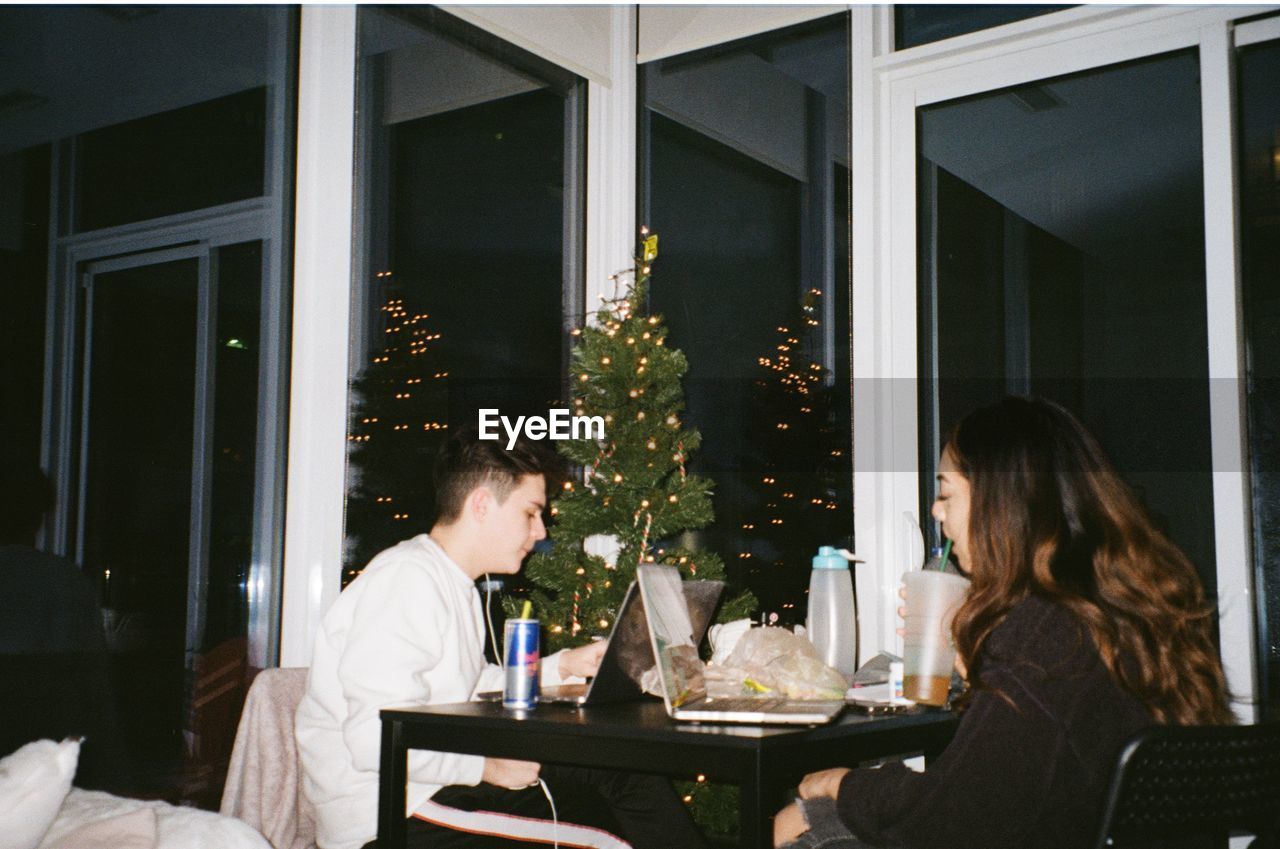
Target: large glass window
<point>1259,132</point>
<point>197,156</point>
<point>1062,254</point>
<point>145,162</point>
<point>745,178</point>
<point>169,528</point>
<point>469,259</point>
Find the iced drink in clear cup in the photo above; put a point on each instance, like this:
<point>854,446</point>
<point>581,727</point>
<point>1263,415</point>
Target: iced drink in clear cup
<point>928,652</point>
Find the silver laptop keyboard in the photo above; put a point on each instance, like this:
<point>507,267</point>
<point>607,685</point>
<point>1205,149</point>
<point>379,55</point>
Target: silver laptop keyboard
<point>744,704</point>
<point>750,705</point>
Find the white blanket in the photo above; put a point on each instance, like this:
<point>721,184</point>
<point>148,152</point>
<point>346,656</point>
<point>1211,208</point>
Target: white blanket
<point>89,819</point>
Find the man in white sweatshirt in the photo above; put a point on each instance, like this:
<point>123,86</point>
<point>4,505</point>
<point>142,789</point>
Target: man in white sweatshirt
<point>409,630</point>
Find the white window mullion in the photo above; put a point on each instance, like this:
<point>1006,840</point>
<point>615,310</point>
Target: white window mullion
<point>611,161</point>
<point>1139,33</point>
<point>321,324</point>
<point>901,415</point>
<point>611,182</point>
<point>864,173</point>
<point>1256,32</point>
<point>1231,505</point>
<point>884,403</point>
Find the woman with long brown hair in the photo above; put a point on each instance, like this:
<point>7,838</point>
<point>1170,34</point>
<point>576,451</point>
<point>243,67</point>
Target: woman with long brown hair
<point>1083,624</point>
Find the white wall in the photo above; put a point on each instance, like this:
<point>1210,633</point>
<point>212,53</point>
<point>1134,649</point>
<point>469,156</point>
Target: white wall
<point>769,126</point>
<point>668,30</point>
<point>579,38</point>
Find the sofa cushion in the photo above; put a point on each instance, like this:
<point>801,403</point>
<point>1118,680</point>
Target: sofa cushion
<point>34,781</point>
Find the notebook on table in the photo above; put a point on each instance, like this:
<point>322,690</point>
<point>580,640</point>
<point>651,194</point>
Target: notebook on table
<point>628,655</point>
<point>680,673</point>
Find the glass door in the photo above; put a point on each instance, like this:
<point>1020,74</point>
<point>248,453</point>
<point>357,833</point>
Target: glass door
<point>1258,121</point>
<point>166,495</point>
<point>1067,210</point>
<point>1062,255</point>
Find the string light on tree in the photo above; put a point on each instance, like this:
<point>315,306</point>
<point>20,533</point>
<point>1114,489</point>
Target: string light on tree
<point>636,487</point>
<point>630,491</point>
<point>799,463</point>
<point>398,422</point>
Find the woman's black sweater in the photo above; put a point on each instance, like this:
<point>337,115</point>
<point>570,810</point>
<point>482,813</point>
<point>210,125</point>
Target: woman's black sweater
<point>1029,764</point>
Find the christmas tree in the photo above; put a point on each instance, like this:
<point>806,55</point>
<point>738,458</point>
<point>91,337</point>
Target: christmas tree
<point>635,487</point>
<point>800,468</point>
<point>397,426</point>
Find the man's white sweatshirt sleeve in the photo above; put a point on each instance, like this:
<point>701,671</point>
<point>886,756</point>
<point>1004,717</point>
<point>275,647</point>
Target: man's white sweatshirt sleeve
<point>392,647</point>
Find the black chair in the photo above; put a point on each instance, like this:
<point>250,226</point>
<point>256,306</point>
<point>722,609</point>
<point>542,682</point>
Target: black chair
<point>1174,784</point>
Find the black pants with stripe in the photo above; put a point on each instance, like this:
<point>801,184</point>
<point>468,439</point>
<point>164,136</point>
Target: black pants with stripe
<point>594,808</point>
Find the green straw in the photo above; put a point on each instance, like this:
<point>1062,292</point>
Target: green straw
<point>946,556</point>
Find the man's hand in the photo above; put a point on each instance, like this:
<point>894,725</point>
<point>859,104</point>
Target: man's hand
<point>512,775</point>
<point>788,824</point>
<point>824,783</point>
<point>582,661</point>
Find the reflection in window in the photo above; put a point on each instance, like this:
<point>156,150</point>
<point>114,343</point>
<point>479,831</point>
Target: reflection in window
<point>463,299</point>
<point>234,457</point>
<point>173,588</point>
<point>747,183</point>
<point>1259,127</point>
<point>1061,254</point>
<point>137,494</point>
<point>915,24</point>
<point>202,155</point>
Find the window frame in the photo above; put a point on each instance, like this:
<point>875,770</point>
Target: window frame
<point>600,243</point>
<point>254,219</point>
<point>745,38</point>
<point>1255,32</point>
<point>885,313</point>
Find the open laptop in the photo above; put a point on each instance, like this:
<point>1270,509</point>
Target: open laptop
<point>628,655</point>
<point>684,688</point>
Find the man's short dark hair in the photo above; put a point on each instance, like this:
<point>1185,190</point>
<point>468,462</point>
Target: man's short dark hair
<point>466,462</point>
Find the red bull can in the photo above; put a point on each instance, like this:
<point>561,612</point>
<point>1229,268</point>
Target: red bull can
<point>521,641</point>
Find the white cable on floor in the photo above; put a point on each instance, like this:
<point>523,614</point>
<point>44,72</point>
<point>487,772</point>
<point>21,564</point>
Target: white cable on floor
<point>555,820</point>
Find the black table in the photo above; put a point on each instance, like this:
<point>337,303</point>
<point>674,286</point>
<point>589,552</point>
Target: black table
<point>764,761</point>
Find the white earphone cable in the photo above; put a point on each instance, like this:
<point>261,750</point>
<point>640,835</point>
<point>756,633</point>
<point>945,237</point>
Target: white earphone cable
<point>497,652</point>
<point>555,820</point>
<point>488,617</point>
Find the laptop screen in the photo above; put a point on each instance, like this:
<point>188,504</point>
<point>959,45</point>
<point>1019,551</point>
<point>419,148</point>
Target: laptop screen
<point>628,655</point>
<point>671,633</point>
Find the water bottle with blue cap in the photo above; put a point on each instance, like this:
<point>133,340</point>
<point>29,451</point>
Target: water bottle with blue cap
<point>833,613</point>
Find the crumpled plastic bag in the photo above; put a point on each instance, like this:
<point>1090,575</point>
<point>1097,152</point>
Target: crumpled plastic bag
<point>769,661</point>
